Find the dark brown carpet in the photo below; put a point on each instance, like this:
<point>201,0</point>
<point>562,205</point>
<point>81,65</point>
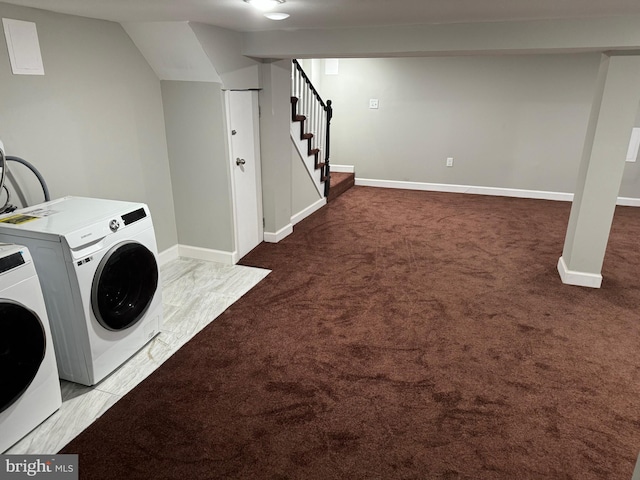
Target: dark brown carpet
<point>401,335</point>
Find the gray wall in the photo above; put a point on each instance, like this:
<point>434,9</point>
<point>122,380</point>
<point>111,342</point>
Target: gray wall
<point>93,124</point>
<point>196,138</point>
<point>516,121</point>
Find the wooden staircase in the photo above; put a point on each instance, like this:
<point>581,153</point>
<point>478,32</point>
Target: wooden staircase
<point>314,116</point>
<point>318,162</point>
<point>339,182</point>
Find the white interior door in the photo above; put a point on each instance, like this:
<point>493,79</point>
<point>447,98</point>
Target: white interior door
<point>242,108</point>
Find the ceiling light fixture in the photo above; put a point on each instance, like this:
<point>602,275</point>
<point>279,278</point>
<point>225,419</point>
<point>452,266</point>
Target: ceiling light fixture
<point>264,5</point>
<point>276,16</point>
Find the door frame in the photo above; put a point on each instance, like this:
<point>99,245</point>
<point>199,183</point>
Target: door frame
<point>232,166</point>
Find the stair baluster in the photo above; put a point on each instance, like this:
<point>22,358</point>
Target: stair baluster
<point>314,115</point>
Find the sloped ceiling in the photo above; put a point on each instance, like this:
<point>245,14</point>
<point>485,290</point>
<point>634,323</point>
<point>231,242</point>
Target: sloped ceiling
<point>172,50</point>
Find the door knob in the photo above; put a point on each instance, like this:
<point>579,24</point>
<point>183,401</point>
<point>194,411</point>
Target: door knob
<point>240,161</point>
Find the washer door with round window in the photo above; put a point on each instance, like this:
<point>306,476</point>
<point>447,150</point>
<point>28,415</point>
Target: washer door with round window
<point>124,285</point>
<point>22,349</point>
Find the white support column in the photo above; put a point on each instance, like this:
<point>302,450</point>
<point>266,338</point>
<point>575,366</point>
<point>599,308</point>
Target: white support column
<point>613,113</point>
<point>275,149</point>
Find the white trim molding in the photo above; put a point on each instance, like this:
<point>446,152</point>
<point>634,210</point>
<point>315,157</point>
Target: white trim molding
<point>284,232</point>
<point>629,202</point>
<point>450,188</point>
<point>168,255</point>
<point>581,279</point>
<point>308,160</point>
<point>219,256</point>
<point>301,215</point>
<point>342,168</point>
<point>477,190</point>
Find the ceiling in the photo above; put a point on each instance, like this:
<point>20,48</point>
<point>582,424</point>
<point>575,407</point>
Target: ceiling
<point>326,14</point>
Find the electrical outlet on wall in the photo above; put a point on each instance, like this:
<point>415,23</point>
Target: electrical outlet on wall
<point>373,103</point>
<point>449,161</point>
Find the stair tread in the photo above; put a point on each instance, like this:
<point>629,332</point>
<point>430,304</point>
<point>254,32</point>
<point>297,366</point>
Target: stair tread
<point>340,183</point>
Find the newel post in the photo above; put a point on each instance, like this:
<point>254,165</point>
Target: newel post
<point>327,175</point>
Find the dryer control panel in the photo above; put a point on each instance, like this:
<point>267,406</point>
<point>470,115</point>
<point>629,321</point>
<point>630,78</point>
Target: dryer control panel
<point>134,216</point>
<point>11,261</point>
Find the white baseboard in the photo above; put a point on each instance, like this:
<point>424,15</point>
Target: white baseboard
<point>501,192</point>
<point>629,202</point>
<point>450,188</point>
<point>581,279</point>
<point>342,168</point>
<point>226,258</point>
<point>298,217</point>
<point>168,255</point>
<point>279,235</point>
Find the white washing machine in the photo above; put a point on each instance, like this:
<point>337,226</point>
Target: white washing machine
<point>29,385</point>
<point>97,264</point>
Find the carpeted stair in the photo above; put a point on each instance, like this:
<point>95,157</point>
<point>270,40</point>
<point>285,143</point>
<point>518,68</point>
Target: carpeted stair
<point>340,183</point>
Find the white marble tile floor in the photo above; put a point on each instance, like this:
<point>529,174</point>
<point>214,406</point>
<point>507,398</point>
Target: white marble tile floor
<point>194,293</point>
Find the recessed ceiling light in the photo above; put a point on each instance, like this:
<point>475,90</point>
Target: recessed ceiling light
<point>276,16</point>
<point>264,5</point>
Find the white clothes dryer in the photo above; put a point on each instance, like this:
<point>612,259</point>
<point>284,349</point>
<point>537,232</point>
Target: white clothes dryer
<point>97,264</point>
<point>29,385</point>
